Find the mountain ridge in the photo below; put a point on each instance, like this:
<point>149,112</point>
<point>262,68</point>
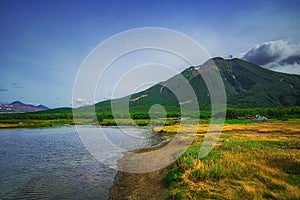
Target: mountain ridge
<point>19,107</point>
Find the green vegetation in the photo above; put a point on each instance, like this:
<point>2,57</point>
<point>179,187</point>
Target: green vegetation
<point>277,112</point>
<point>105,113</point>
<point>85,115</point>
<point>53,114</point>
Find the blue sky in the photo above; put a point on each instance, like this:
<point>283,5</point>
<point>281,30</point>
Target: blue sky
<point>43,43</point>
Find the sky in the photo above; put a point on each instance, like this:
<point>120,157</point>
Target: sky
<point>44,43</point>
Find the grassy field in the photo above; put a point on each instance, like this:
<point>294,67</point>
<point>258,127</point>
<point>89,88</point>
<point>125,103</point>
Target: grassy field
<point>38,123</point>
<point>30,123</point>
<point>250,161</point>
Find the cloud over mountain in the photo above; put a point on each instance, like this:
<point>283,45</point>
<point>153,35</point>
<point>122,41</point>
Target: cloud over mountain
<point>278,55</point>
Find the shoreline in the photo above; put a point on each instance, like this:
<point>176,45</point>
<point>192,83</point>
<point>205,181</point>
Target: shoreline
<point>134,186</point>
<point>130,186</point>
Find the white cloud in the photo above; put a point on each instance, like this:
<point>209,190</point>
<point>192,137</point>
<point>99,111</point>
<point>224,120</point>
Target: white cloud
<point>82,102</point>
<point>278,55</point>
<point>286,68</point>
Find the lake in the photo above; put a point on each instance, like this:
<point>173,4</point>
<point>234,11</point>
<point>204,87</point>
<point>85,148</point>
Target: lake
<point>52,163</point>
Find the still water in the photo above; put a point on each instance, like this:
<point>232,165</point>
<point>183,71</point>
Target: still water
<point>52,163</point>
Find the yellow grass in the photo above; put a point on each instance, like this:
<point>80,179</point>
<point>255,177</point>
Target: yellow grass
<point>250,161</point>
<point>287,127</point>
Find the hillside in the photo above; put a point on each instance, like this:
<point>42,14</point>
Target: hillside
<point>247,86</point>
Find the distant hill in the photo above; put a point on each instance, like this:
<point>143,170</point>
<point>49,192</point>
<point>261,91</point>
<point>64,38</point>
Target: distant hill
<point>19,107</point>
<point>247,85</point>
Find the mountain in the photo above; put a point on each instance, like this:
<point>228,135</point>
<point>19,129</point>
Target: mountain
<point>247,85</point>
<point>19,107</point>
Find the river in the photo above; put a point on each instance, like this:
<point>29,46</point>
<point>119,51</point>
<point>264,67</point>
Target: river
<point>52,163</point>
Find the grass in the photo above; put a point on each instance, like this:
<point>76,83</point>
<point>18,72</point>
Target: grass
<point>270,126</point>
<point>39,123</point>
<point>36,123</point>
<point>250,161</point>
<point>29,123</point>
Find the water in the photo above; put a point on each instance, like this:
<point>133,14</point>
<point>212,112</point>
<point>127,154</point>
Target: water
<point>54,164</point>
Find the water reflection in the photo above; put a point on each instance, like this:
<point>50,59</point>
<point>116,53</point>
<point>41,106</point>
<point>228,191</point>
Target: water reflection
<point>53,164</point>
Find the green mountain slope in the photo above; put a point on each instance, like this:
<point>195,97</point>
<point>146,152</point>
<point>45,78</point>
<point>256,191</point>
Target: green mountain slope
<point>247,86</point>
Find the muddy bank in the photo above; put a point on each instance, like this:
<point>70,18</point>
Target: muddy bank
<point>142,186</point>
<point>146,186</point>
